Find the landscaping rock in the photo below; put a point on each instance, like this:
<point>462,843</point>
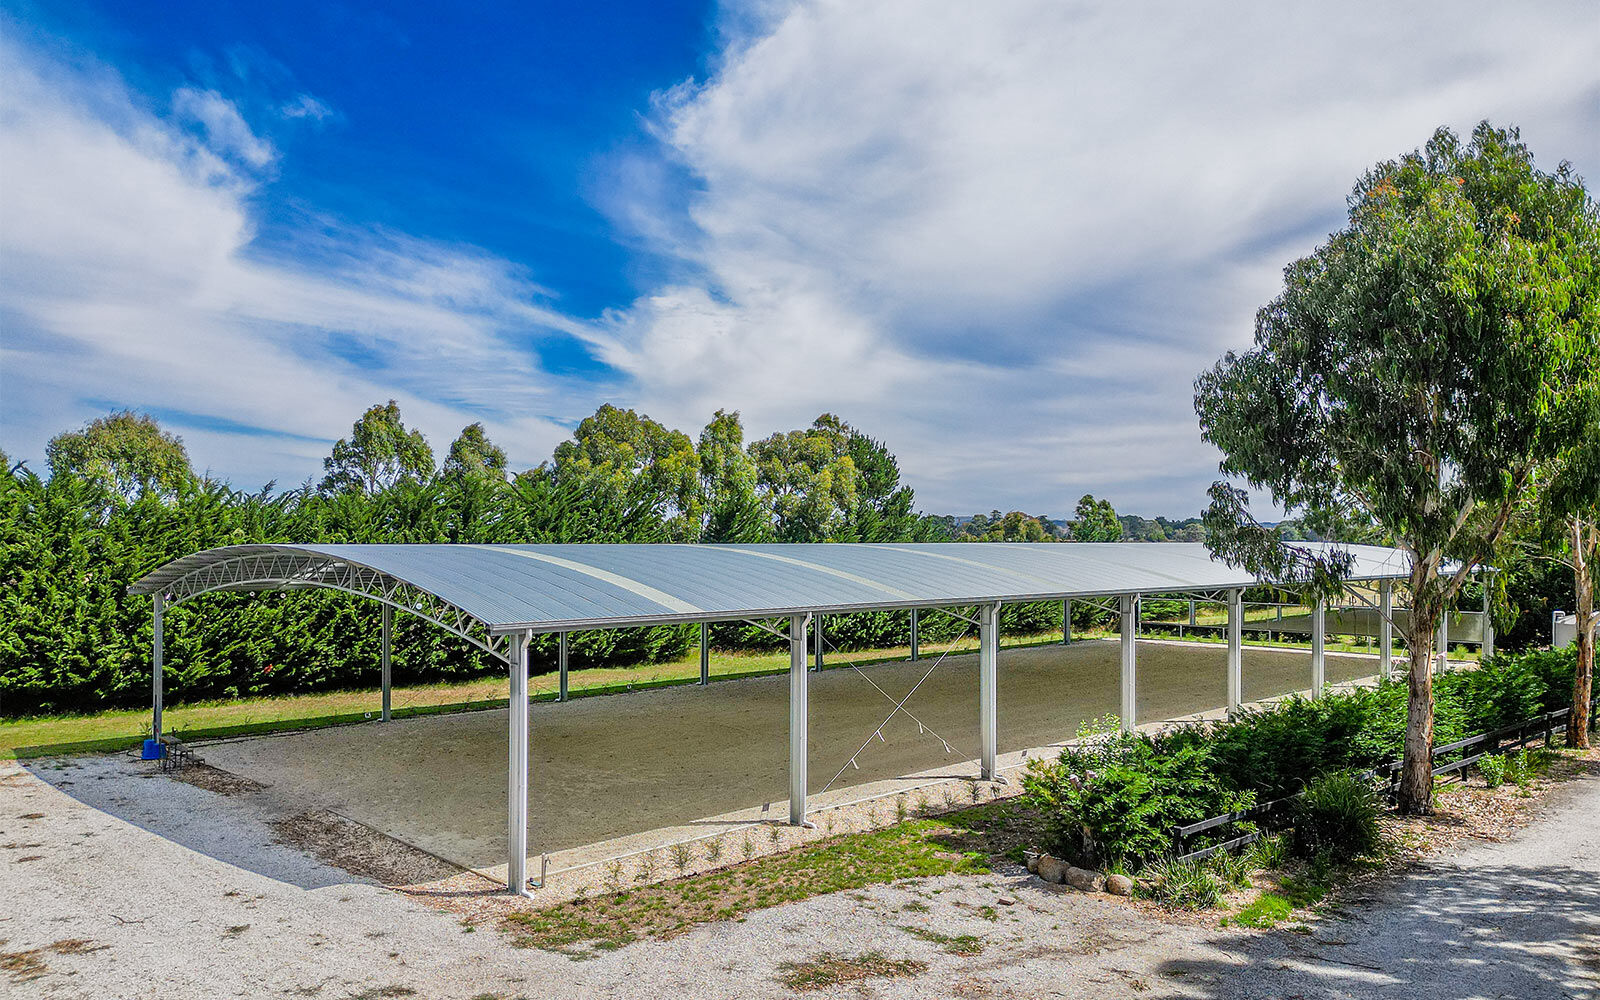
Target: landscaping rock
<point>1051,869</point>
<point>1119,885</point>
<point>1082,879</point>
<point>1006,901</point>
<point>1032,860</point>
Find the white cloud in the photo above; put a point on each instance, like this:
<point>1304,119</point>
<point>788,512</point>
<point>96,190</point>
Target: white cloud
<point>130,276</point>
<point>1005,237</point>
<point>305,106</point>
<point>226,132</point>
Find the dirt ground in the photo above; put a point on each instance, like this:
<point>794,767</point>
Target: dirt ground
<point>607,766</point>
<point>119,883</point>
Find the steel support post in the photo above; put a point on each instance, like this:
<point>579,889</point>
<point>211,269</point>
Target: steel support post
<point>816,641</point>
<point>988,662</point>
<point>916,652</point>
<point>561,668</point>
<point>1319,640</point>
<point>797,719</point>
<point>1066,622</point>
<point>1486,648</point>
<point>1235,649</point>
<point>1386,629</point>
<point>156,668</point>
<point>1442,659</point>
<point>705,655</point>
<point>517,769</point>
<point>383,670</point>
<point>1127,605</point>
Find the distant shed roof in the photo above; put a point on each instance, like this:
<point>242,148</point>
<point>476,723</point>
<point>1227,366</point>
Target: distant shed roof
<point>559,587</point>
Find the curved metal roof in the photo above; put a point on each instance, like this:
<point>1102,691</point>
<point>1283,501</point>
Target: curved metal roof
<point>558,587</point>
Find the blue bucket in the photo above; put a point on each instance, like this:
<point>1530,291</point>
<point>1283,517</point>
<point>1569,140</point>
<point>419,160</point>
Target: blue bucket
<point>153,750</point>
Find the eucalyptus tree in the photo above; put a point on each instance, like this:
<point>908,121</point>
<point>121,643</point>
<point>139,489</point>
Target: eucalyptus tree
<point>380,452</point>
<point>473,455</point>
<point>729,484</point>
<point>632,451</point>
<point>1415,372</point>
<point>1095,521</point>
<point>1569,528</point>
<point>126,452</point>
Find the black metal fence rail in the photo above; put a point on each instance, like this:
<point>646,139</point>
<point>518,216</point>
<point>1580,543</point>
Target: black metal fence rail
<point>1498,741</point>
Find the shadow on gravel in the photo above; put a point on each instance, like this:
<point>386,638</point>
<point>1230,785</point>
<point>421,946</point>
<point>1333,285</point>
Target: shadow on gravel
<point>1444,932</point>
<point>205,810</point>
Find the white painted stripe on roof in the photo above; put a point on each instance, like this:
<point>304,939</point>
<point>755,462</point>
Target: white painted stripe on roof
<point>841,574</point>
<point>644,590</point>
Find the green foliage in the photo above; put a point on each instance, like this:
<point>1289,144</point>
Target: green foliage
<point>1338,817</point>
<point>1182,885</point>
<point>1013,527</point>
<point>122,502</point>
<point>379,453</point>
<point>1115,798</point>
<point>1095,521</point>
<point>1493,769</point>
<point>125,453</point>
<point>473,454</point>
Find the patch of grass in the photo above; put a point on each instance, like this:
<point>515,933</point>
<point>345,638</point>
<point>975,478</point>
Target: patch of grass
<point>829,970</point>
<point>1269,910</point>
<point>384,993</point>
<point>914,849</point>
<point>235,930</point>
<point>955,944</point>
<point>916,906</point>
<point>22,966</point>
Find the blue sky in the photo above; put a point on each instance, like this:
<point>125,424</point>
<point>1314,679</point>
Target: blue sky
<point>1004,238</point>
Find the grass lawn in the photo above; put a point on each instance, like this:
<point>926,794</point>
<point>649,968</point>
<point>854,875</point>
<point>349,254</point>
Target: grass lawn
<point>120,729</point>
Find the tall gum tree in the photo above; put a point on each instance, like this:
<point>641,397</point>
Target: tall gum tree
<point>1415,372</point>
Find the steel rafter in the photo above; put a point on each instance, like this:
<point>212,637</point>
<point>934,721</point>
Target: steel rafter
<point>299,571</point>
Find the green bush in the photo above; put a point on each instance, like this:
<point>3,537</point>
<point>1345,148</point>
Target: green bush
<point>1182,885</point>
<point>1273,751</point>
<point>1116,798</point>
<point>1337,817</point>
<point>1493,769</point>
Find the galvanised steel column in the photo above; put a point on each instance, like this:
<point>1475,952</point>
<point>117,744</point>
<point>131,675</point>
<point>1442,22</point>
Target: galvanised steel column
<point>1235,649</point>
<point>797,719</point>
<point>705,656</point>
<point>1126,604</point>
<point>1066,621</point>
<point>1444,642</point>
<point>1486,647</point>
<point>817,642</point>
<point>517,769</point>
<point>388,626</point>
<point>156,669</point>
<point>988,662</point>
<point>916,651</point>
<point>561,668</point>
<point>1319,660</point>
<point>1386,629</point>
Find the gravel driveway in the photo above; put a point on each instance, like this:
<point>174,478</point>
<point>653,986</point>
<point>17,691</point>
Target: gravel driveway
<point>97,906</point>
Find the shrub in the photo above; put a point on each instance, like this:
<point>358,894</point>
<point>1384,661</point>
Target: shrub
<point>1337,817</point>
<point>1493,770</point>
<point>1272,751</point>
<point>1182,885</point>
<point>1116,799</point>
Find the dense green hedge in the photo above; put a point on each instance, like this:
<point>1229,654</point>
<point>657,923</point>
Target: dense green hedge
<point>1116,798</point>
<point>73,639</point>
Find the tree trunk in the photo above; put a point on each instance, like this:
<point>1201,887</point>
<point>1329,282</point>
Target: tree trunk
<point>1414,796</point>
<point>1583,677</point>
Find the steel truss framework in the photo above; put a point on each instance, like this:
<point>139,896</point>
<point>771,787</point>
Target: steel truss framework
<point>300,571</point>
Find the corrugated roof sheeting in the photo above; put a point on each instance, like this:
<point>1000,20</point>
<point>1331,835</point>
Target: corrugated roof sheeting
<point>554,587</point>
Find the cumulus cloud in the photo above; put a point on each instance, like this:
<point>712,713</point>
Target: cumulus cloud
<point>1007,236</point>
<point>130,275</point>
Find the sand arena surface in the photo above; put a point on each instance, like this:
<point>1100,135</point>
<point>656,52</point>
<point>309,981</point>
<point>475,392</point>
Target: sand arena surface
<point>607,766</point>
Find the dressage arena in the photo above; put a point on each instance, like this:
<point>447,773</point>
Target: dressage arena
<point>604,767</point>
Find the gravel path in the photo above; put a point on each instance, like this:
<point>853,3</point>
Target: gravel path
<point>97,906</point>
